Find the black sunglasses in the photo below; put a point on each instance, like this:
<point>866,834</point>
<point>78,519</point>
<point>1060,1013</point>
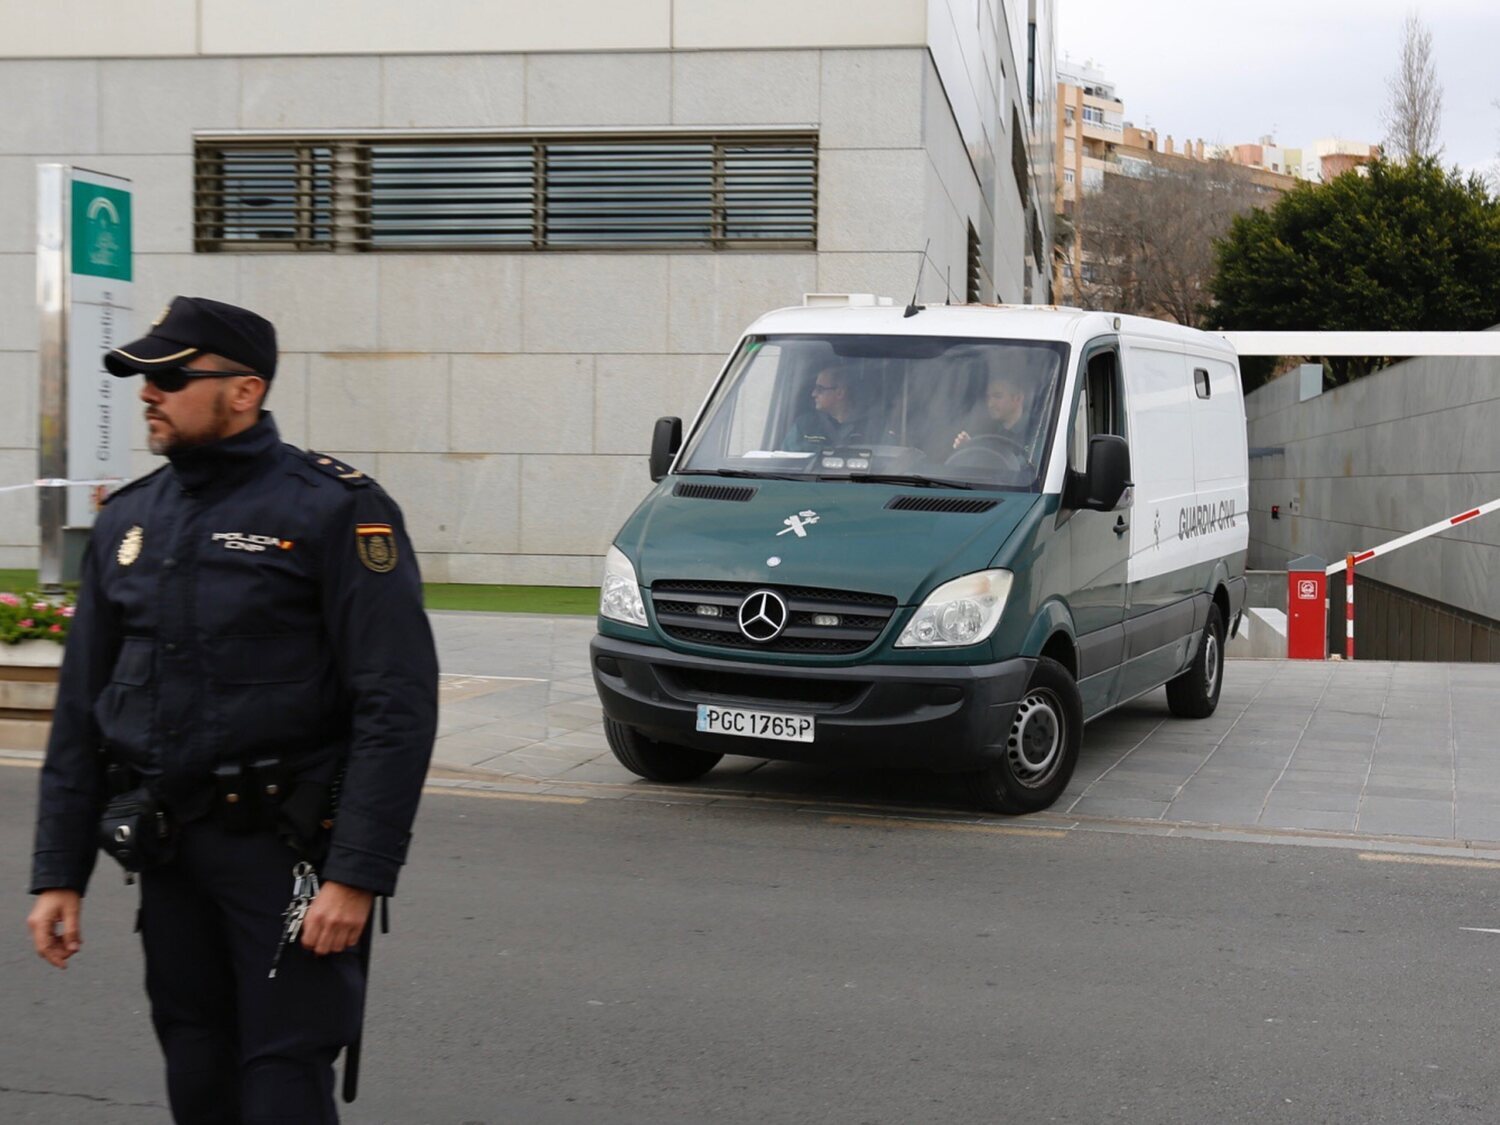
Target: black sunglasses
<point>173,379</point>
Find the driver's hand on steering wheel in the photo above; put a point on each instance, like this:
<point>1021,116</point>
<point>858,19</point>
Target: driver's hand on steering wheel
<point>961,439</point>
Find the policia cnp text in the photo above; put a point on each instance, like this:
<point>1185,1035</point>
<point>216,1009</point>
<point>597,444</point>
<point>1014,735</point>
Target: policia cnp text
<point>246,711</point>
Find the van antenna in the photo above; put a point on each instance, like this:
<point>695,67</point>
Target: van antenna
<point>913,309</point>
<point>948,284</point>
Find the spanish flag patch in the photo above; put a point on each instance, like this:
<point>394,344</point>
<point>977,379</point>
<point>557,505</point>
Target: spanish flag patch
<point>375,544</point>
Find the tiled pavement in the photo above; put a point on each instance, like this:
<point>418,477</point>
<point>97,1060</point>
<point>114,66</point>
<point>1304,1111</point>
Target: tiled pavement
<point>1379,749</point>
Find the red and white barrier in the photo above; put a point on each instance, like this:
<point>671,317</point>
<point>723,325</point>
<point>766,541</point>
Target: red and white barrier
<point>1354,558</point>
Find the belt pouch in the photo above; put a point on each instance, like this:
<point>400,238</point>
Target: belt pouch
<point>136,830</point>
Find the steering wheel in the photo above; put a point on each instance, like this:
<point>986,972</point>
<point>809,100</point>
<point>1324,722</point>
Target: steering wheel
<point>990,449</point>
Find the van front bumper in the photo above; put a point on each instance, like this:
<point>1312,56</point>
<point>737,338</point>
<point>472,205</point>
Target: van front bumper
<point>947,718</point>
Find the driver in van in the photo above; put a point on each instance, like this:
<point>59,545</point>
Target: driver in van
<point>1005,410</point>
<point>835,418</point>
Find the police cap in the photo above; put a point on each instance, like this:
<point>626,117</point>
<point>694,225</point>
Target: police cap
<point>193,326</point>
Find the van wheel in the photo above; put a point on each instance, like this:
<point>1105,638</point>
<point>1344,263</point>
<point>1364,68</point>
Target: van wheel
<point>656,761</point>
<point>1195,693</point>
<point>1041,746</point>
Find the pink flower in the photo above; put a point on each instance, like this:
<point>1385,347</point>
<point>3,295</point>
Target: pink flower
<point>66,611</point>
<point>26,623</point>
<point>43,606</point>
<point>55,629</point>
<point>9,599</point>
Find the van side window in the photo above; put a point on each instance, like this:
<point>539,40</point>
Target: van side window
<point>1099,406</point>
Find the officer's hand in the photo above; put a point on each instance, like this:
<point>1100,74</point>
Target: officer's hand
<point>336,918</point>
<point>54,909</point>
<point>961,439</point>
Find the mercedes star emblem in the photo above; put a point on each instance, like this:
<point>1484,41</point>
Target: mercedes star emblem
<point>763,615</point>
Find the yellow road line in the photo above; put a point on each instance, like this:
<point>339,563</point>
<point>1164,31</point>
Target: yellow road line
<point>1430,860</point>
<point>495,795</point>
<point>943,826</point>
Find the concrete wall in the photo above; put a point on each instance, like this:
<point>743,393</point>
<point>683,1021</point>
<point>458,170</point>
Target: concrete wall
<point>1370,461</point>
<point>505,399</point>
<point>165,28</point>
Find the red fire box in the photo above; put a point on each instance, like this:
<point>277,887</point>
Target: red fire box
<point>1306,609</point>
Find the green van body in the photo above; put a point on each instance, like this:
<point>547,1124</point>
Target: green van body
<point>1110,605</point>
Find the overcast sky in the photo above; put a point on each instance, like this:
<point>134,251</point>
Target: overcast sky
<point>1298,69</point>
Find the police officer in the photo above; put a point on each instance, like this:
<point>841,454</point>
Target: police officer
<point>249,685</point>
<point>835,418</point>
<point>1005,410</point>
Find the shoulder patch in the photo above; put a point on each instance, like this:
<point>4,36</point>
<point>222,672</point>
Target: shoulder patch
<point>347,475</point>
<point>133,485</point>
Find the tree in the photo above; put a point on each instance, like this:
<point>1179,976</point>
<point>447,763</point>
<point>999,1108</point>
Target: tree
<point>1416,106</point>
<point>1389,247</point>
<point>1148,241</point>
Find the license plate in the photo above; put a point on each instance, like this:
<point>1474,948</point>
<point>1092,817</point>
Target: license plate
<point>754,724</point>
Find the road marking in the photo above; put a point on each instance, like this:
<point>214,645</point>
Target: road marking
<point>1430,860</point>
<point>23,763</point>
<point>508,679</point>
<point>1478,930</point>
<point>943,826</point>
<point>493,795</point>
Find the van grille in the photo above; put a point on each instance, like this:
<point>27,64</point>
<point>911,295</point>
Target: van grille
<point>861,617</point>
<point>955,504</point>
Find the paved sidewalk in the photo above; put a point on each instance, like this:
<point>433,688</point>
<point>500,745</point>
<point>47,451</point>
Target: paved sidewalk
<point>1371,748</point>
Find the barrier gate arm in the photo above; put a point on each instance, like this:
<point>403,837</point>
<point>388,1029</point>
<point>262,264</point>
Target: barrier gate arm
<point>1406,540</point>
<point>1354,558</point>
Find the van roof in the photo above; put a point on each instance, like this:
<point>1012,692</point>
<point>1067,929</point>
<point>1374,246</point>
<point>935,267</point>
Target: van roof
<point>1009,322</point>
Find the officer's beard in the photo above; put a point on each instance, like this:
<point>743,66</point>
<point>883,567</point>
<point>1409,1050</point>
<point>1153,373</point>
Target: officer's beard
<point>176,440</point>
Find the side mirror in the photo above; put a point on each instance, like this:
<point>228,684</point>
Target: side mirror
<point>666,440</point>
<point>1104,482</point>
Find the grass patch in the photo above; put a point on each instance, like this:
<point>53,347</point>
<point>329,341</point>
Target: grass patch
<point>18,581</point>
<point>581,600</point>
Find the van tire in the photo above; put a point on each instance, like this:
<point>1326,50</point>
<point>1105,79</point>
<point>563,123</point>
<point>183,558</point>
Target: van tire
<point>1042,746</point>
<point>1195,693</point>
<point>656,761</point>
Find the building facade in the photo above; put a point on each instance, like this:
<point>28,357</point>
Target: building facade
<point>499,240</point>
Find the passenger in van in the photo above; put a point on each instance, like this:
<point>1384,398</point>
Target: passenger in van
<point>1005,412</point>
<point>836,417</point>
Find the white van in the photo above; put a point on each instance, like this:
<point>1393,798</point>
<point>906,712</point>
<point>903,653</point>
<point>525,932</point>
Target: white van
<point>942,537</point>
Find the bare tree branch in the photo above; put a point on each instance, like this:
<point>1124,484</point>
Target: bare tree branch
<point>1416,107</point>
<point>1148,242</point>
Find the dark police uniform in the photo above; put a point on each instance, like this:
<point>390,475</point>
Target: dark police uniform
<point>815,429</point>
<point>248,602</point>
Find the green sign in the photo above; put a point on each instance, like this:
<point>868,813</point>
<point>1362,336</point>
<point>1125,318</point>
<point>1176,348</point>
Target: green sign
<point>101,231</point>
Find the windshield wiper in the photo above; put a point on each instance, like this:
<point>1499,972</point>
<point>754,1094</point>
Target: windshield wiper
<point>737,473</point>
<point>899,478</point>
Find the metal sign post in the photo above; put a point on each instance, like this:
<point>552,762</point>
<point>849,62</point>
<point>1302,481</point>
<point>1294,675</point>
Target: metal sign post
<point>84,274</point>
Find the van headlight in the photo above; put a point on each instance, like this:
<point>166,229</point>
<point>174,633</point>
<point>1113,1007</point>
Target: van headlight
<point>620,595</point>
<point>961,612</point>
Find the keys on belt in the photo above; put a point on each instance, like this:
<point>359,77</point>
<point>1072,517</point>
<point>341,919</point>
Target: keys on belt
<point>304,890</point>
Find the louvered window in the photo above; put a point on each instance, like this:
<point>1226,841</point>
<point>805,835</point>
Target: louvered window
<point>728,191</point>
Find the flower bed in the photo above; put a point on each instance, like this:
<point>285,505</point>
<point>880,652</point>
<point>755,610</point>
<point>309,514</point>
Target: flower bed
<point>31,617</point>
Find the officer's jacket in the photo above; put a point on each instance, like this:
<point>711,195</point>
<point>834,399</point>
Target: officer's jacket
<point>249,600</point>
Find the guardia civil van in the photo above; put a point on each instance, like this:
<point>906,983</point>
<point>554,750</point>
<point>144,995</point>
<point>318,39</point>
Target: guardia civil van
<point>941,537</point>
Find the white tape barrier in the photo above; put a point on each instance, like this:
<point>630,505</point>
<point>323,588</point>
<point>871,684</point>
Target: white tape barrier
<point>56,482</point>
<point>1325,343</point>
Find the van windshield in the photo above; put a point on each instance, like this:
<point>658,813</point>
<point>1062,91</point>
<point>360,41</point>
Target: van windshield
<point>944,411</point>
